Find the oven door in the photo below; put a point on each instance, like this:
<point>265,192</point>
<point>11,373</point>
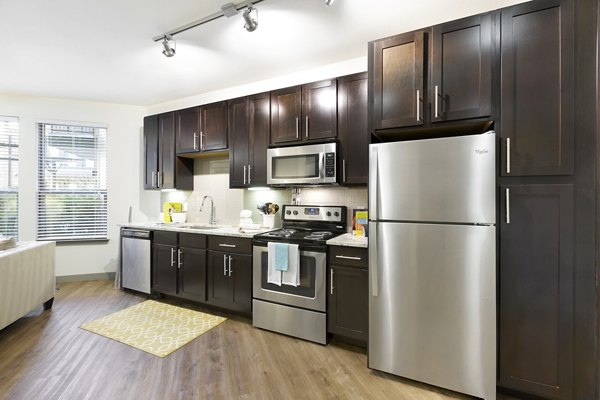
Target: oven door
<point>310,294</point>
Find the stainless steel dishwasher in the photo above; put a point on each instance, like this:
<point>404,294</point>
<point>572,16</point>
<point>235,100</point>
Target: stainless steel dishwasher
<point>136,247</point>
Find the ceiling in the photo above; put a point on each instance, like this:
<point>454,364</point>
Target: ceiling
<point>103,50</point>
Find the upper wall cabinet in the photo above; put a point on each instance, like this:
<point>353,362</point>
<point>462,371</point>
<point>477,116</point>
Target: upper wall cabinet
<point>430,76</point>
<point>537,89</point>
<point>201,128</point>
<point>162,168</point>
<point>304,113</point>
<point>461,69</point>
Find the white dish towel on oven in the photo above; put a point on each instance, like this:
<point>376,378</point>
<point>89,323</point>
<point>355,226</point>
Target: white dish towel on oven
<point>292,275</point>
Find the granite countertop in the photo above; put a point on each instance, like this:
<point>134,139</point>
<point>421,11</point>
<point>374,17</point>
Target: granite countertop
<point>349,241</point>
<point>190,227</point>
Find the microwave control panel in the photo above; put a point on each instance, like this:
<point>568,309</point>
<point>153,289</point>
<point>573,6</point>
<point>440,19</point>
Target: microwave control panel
<point>330,164</point>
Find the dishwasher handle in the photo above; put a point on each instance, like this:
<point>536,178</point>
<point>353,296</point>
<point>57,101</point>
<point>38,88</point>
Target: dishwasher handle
<point>136,233</point>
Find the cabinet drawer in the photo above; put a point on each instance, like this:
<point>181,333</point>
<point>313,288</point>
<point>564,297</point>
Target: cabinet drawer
<point>230,244</point>
<point>193,240</point>
<point>165,237</point>
<point>348,256</point>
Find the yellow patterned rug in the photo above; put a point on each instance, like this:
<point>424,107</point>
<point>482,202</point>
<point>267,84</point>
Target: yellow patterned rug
<point>154,327</point>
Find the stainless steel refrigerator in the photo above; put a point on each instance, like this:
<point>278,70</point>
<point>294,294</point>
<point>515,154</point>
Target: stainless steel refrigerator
<point>432,262</point>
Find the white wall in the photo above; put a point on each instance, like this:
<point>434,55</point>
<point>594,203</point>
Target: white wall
<point>124,173</point>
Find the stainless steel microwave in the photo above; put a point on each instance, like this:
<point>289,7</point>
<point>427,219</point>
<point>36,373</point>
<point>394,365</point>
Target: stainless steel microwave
<point>313,164</point>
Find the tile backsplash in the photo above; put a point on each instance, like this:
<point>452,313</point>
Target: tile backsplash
<point>211,177</point>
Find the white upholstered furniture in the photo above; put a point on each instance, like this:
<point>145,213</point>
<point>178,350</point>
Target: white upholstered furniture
<point>27,279</point>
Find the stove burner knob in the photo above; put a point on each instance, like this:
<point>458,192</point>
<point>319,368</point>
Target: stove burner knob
<point>328,213</point>
<point>288,212</point>
<point>337,214</point>
<point>295,212</point>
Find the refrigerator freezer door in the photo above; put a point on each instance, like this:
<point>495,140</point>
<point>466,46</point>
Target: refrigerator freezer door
<point>433,318</point>
<point>443,180</point>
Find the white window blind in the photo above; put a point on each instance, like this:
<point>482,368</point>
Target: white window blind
<point>72,195</point>
<point>9,176</point>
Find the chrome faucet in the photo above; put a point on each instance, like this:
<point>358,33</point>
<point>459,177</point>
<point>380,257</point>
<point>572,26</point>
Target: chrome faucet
<point>212,220</point>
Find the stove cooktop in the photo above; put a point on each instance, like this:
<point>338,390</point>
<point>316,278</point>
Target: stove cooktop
<point>298,235</point>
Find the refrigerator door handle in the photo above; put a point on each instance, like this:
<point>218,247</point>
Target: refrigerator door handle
<point>373,261</point>
<point>373,183</point>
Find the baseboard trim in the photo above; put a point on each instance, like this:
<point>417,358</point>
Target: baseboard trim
<point>102,276</point>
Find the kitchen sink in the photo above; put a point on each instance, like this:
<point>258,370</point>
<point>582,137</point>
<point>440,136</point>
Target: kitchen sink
<point>199,226</point>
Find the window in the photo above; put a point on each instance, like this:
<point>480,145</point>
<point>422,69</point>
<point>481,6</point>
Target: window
<point>9,176</point>
<point>72,196</point>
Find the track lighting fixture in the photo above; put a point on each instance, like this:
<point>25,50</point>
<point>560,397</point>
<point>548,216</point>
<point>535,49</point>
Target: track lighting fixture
<point>168,46</point>
<point>328,2</point>
<point>251,18</point>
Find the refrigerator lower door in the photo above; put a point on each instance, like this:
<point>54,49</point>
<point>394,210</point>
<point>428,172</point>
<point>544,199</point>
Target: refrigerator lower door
<point>432,305</point>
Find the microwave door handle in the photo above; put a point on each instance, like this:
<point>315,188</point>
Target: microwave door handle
<point>322,166</point>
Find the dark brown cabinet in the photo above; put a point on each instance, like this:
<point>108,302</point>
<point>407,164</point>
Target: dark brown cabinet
<point>248,127</point>
<point>163,169</point>
<point>434,75</point>
<point>230,273</point>
<point>179,265</point>
<point>461,69</point>
<point>348,298</point>
<point>202,128</point>
<point>304,113</point>
<point>397,75</point>
<point>537,90</point>
<point>536,289</point>
<point>353,130</point>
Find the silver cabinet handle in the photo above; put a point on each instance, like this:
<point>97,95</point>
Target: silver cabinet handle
<point>331,281</point>
<point>229,265</point>
<point>435,115</point>
<point>158,180</point>
<point>245,174</point>
<point>508,155</point>
<point>344,170</point>
<point>224,264</point>
<point>195,141</point>
<point>349,258</point>
<point>153,179</point>
<point>306,127</point>
<point>172,256</point>
<point>249,169</point>
<point>297,128</point>
<point>507,205</point>
<point>226,245</point>
<point>418,113</point>
<point>201,140</point>
<point>179,257</point>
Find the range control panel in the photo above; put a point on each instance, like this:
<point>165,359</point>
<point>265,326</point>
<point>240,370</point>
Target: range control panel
<point>314,213</point>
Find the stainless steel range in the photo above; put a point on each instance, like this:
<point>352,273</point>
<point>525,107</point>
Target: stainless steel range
<point>298,311</point>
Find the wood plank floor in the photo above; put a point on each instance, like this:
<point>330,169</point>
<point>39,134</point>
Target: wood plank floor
<point>45,356</point>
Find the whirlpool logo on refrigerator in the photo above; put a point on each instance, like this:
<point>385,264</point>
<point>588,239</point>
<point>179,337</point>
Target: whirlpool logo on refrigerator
<point>481,152</point>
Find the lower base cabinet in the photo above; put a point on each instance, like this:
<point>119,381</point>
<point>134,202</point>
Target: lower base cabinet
<point>230,273</point>
<point>348,294</point>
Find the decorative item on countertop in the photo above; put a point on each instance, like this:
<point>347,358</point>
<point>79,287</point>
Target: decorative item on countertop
<point>179,217</point>
<point>360,222</point>
<point>7,242</point>
<point>268,210</point>
<point>169,208</point>
<point>246,218</point>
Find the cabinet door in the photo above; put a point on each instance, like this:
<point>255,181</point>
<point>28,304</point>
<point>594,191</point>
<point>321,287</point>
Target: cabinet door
<point>164,268</point>
<point>286,111</point>
<point>536,289</point>
<point>150,151</point>
<point>260,126</point>
<point>166,151</point>
<point>319,110</point>
<point>348,303</point>
<point>537,89</point>
<point>239,142</point>
<point>192,273</point>
<point>461,69</point>
<point>213,126</point>
<point>240,273</point>
<point>396,68</point>
<point>187,132</point>
<point>353,128</point>
<point>220,285</point>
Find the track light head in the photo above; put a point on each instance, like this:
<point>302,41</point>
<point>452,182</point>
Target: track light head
<point>251,22</point>
<point>168,46</point>
<point>328,2</point>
